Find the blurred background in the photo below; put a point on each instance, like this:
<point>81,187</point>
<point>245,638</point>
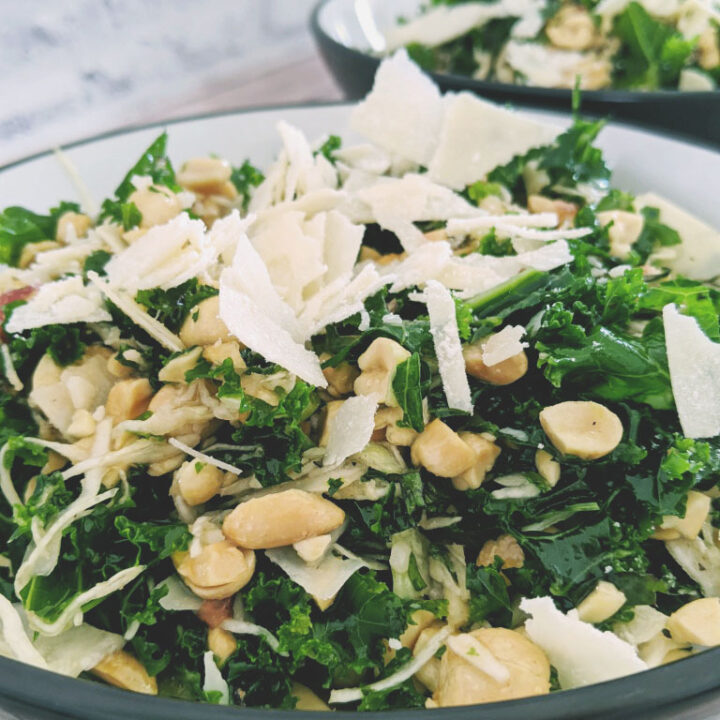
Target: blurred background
<point>75,68</point>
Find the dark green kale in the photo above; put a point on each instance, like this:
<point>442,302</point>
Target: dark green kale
<point>652,53</point>
<point>154,163</point>
<point>245,178</point>
<point>19,227</point>
<point>333,143</point>
<point>96,262</point>
<point>270,439</point>
<point>171,307</point>
<point>408,390</point>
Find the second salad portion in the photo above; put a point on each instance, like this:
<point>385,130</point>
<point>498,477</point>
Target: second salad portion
<point>424,421</point>
<point>602,44</point>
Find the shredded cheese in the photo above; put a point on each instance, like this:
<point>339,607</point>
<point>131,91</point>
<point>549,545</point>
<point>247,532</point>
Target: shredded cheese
<point>240,627</point>
<point>78,649</point>
<point>9,367</point>
<point>350,428</point>
<point>13,633</point>
<point>213,680</point>
<point>324,580</point>
<point>473,651</point>
<point>59,303</point>
<point>149,324</point>
<point>202,457</point>
<point>477,136</point>
<point>403,112</point>
<point>73,611</point>
<point>348,695</point>
<point>694,362</point>
<point>444,330</point>
<point>581,653</point>
<point>503,345</point>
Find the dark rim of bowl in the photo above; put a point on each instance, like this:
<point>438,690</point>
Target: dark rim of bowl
<point>80,698</point>
<point>45,690</point>
<point>610,96</point>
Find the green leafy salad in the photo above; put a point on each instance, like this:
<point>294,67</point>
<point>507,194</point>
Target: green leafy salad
<point>423,421</point>
<point>607,44</point>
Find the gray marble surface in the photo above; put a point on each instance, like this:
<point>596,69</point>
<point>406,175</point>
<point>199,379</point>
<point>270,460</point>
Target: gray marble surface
<point>74,68</point>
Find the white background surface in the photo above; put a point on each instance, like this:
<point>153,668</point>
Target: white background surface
<point>73,68</point>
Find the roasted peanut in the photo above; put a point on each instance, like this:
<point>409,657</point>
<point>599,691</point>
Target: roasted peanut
<point>547,468</point>
<point>623,232</point>
<point>128,399</point>
<point>603,602</point>
<point>205,175</point>
<point>421,619</point>
<point>157,205</point>
<point>280,519</point>
<point>221,351</point>
<point>341,378</point>
<point>572,28</point>
<point>198,482</point>
<point>506,547</point>
<point>83,424</point>
<point>502,373</point>
<point>697,623</point>
<point>442,451</point>
<point>582,428</point>
<point>218,571</point>
<point>486,453</point>
<point>31,250</point>
<point>222,643</point>
<point>429,673</point>
<point>306,699</point>
<point>313,549</point>
<point>175,369</point>
<point>203,325</point>
<point>124,671</point>
<point>708,45</point>
<point>80,225</point>
<point>565,211</point>
<point>265,387</point>
<point>689,525</point>
<point>490,665</point>
<point>387,419</point>
<point>117,369</point>
<point>378,365</point>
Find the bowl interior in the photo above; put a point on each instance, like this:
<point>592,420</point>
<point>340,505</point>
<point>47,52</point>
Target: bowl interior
<point>360,24</point>
<point>640,160</point>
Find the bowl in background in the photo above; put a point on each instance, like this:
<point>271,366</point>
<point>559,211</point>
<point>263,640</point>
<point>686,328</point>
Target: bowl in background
<point>349,34</point>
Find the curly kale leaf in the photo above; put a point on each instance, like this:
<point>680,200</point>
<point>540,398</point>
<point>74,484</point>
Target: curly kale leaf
<point>245,178</point>
<point>270,441</point>
<point>171,307</point>
<point>407,387</point>
<point>19,227</point>
<point>154,163</point>
<point>611,365</point>
<point>652,53</point>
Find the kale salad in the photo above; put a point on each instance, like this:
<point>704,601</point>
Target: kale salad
<point>605,44</point>
<point>425,420</point>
